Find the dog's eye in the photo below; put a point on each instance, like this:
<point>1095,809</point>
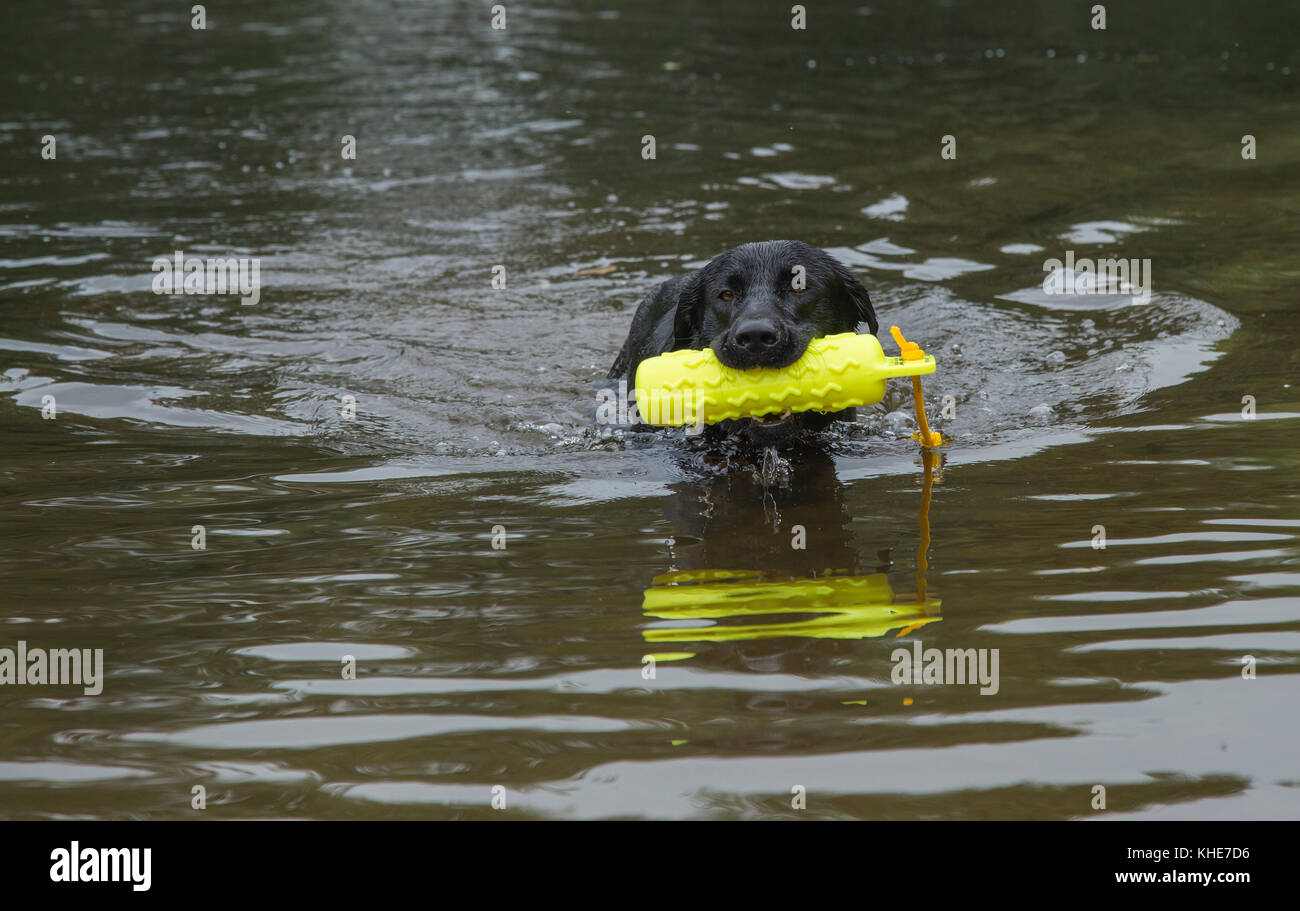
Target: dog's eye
<point>726,296</point>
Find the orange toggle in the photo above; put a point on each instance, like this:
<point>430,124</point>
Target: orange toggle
<point>910,351</point>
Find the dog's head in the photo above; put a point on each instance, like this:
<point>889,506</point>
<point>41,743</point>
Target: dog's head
<point>760,304</point>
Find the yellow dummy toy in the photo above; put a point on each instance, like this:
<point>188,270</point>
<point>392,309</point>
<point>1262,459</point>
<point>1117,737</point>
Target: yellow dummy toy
<point>835,372</point>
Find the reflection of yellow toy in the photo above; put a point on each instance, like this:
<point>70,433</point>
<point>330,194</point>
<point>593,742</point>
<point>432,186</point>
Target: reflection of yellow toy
<point>843,607</point>
<point>836,372</point>
<point>839,606</point>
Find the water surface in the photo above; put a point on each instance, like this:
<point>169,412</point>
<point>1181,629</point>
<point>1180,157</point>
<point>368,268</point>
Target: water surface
<point>373,537</point>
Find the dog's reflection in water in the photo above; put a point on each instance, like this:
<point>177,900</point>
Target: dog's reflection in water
<point>767,576</point>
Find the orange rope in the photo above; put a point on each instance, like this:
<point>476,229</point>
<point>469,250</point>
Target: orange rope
<point>927,460</point>
<point>911,351</point>
<point>929,439</point>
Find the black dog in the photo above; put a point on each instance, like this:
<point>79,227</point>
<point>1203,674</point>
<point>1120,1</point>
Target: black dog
<point>755,307</point>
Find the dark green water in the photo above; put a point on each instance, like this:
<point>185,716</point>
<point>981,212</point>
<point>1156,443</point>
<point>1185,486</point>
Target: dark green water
<point>522,667</point>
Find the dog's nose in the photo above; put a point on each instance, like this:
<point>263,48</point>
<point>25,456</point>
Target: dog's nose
<point>756,335</point>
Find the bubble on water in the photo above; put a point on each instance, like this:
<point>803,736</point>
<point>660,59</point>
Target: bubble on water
<point>1041,413</point>
<point>900,423</point>
<point>1056,357</point>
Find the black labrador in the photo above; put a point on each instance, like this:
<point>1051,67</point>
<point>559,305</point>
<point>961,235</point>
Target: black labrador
<point>756,305</point>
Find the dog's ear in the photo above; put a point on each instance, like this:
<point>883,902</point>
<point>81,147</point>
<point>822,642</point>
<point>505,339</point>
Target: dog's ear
<point>858,297</point>
<point>686,319</point>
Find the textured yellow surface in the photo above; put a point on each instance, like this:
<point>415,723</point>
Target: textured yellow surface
<point>836,372</point>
